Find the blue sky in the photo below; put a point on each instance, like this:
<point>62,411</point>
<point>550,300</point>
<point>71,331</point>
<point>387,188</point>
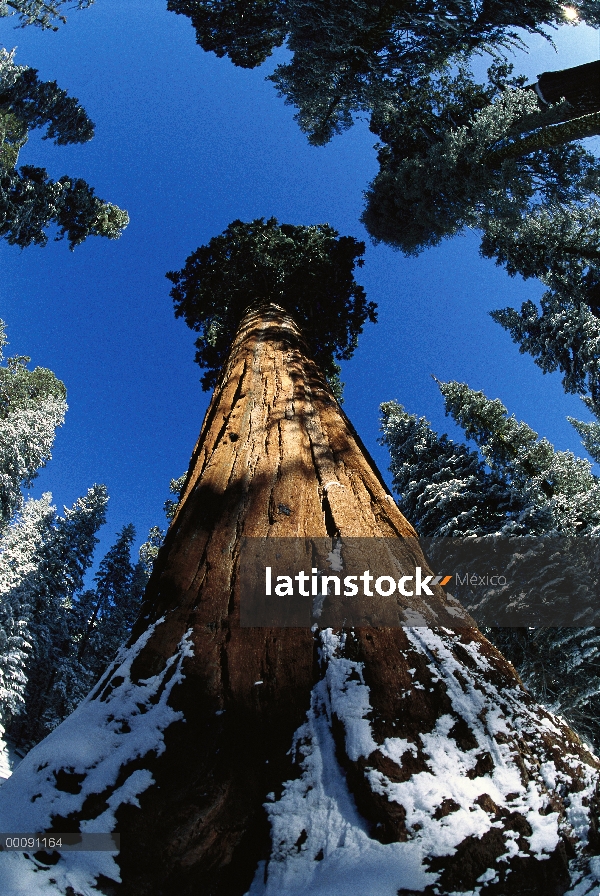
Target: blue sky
<point>187,143</point>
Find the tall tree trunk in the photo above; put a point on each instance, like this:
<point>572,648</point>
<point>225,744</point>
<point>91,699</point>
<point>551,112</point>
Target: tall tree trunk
<point>401,760</point>
<point>578,85</point>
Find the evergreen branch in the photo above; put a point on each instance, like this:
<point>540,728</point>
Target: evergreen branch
<point>546,137</point>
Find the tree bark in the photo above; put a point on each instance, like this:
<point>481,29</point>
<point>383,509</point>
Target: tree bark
<point>451,767</point>
<point>578,85</point>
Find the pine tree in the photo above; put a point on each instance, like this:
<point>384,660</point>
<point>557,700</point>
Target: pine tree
<point>149,550</point>
<point>589,432</point>
<point>39,104</point>
<point>19,550</point>
<point>564,336</point>
<point>110,609</point>
<point>563,493</point>
<point>247,32</point>
<point>60,565</point>
<point>189,731</point>
<point>90,627</point>
<point>483,156</point>
<point>498,159</point>
<point>176,488</point>
<point>558,245</point>
<point>98,622</point>
<point>32,406</point>
<point>443,486</point>
<point>29,200</point>
<point>453,492</point>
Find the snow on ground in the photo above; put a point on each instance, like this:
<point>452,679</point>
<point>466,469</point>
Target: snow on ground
<point>337,857</point>
<point>119,722</point>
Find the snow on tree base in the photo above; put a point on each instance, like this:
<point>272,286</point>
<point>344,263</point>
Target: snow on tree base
<point>422,767</point>
<point>485,801</point>
<point>90,758</point>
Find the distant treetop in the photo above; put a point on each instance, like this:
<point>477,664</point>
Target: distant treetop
<point>246,31</point>
<point>306,270</point>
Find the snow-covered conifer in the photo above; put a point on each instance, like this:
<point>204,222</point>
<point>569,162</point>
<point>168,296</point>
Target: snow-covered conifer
<point>175,487</point>
<point>589,432</point>
<point>43,13</point>
<point>563,495</point>
<point>518,485</point>
<point>110,609</point>
<point>32,406</point>
<point>443,486</point>
<point>473,166</point>
<point>62,560</point>
<point>565,336</point>
<point>19,548</point>
<point>557,244</point>
<point>149,550</point>
<point>97,623</point>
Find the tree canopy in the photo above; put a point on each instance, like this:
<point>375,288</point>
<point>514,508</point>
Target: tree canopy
<point>38,104</point>
<point>306,270</point>
<point>459,154</point>
<point>246,31</point>
<point>347,55</point>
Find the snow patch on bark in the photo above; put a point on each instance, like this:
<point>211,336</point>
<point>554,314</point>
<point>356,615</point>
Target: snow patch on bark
<point>119,722</point>
<point>323,845</point>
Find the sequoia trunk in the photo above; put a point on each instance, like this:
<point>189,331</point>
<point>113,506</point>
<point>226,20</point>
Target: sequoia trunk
<point>409,760</point>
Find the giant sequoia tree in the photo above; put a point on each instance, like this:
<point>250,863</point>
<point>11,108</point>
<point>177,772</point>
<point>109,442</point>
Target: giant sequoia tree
<point>399,759</point>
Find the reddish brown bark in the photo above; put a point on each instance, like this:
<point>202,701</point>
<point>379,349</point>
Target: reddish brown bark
<point>276,456</point>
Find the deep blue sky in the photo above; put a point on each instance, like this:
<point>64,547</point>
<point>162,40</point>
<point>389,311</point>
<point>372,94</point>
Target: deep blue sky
<point>187,143</point>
